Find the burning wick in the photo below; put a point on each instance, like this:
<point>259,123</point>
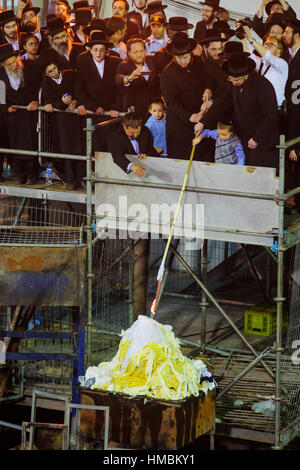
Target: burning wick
<point>154,304</point>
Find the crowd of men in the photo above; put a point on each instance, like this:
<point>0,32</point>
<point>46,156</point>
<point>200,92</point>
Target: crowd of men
<point>246,77</point>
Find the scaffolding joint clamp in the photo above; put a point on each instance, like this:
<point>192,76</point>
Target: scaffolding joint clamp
<point>279,299</point>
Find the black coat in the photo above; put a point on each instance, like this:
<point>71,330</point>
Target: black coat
<point>255,114</point>
<point>91,90</point>
<point>161,59</point>
<point>261,28</point>
<point>182,90</point>
<point>67,126</point>
<point>292,94</point>
<point>63,62</point>
<point>22,124</point>
<point>140,91</point>
<point>200,31</point>
<point>119,145</point>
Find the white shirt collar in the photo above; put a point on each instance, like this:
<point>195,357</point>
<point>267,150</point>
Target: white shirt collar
<point>100,67</point>
<point>58,80</point>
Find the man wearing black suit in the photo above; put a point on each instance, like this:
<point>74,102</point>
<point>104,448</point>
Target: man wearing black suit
<point>291,37</point>
<point>64,50</point>
<point>252,101</point>
<point>278,7</point>
<point>133,139</point>
<point>209,16</point>
<point>29,24</point>
<point>10,29</point>
<point>95,87</point>
<point>121,8</point>
<point>137,78</point>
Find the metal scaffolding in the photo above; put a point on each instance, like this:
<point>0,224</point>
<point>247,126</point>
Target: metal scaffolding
<point>287,237</point>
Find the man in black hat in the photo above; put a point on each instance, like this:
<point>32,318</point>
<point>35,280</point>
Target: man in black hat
<point>281,7</point>
<point>121,8</point>
<point>291,37</point>
<point>21,88</point>
<point>209,16</point>
<point>212,58</point>
<point>137,78</point>
<point>183,83</point>
<point>63,11</point>
<point>253,103</point>
<point>61,43</point>
<point>10,27</point>
<point>29,24</point>
<point>83,17</point>
<point>175,24</point>
<point>95,86</point>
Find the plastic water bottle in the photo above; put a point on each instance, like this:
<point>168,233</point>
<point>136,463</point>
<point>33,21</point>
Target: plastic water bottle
<point>49,175</point>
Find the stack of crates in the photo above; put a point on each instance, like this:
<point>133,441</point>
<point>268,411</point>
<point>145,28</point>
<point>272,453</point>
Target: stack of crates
<point>261,320</point>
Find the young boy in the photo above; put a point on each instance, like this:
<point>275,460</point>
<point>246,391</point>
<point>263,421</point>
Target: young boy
<point>229,148</point>
<point>157,125</point>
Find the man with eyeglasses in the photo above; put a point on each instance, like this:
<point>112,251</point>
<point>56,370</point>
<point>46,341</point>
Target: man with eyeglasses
<point>272,7</point>
<point>29,24</point>
<point>209,16</point>
<point>270,63</point>
<point>63,49</point>
<point>252,100</point>
<point>291,37</point>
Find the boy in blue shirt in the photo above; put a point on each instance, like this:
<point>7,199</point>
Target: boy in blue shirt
<point>157,125</point>
<point>229,148</point>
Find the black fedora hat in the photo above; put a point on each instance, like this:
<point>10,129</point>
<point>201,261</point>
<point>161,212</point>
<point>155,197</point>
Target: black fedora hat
<point>212,35</point>
<point>212,3</point>
<point>233,47</point>
<point>7,51</point>
<point>81,4</point>
<point>276,18</point>
<point>154,7</point>
<point>181,44</point>
<point>8,15</point>
<point>30,7</point>
<point>97,24</point>
<point>82,16</point>
<point>269,6</point>
<point>238,64</point>
<point>55,25</point>
<point>99,37</point>
<point>223,27</point>
<point>178,23</point>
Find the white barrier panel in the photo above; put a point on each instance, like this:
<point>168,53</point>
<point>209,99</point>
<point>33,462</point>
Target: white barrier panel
<point>145,209</point>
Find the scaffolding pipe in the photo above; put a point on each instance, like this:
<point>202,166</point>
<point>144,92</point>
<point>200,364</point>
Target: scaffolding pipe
<point>211,297</point>
<point>279,299</point>
<point>89,130</point>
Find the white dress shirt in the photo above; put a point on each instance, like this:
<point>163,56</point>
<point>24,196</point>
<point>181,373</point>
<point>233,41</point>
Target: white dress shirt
<point>276,70</point>
<point>100,67</point>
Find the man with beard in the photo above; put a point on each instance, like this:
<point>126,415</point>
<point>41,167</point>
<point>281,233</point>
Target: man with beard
<point>29,24</point>
<point>177,23</point>
<point>60,42</point>
<point>291,37</point>
<point>22,86</point>
<point>252,101</point>
<point>121,8</point>
<point>118,27</point>
<point>138,15</point>
<point>279,7</point>
<point>183,83</point>
<point>63,11</point>
<point>209,16</point>
<point>137,78</point>
<point>212,59</point>
<point>10,26</point>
